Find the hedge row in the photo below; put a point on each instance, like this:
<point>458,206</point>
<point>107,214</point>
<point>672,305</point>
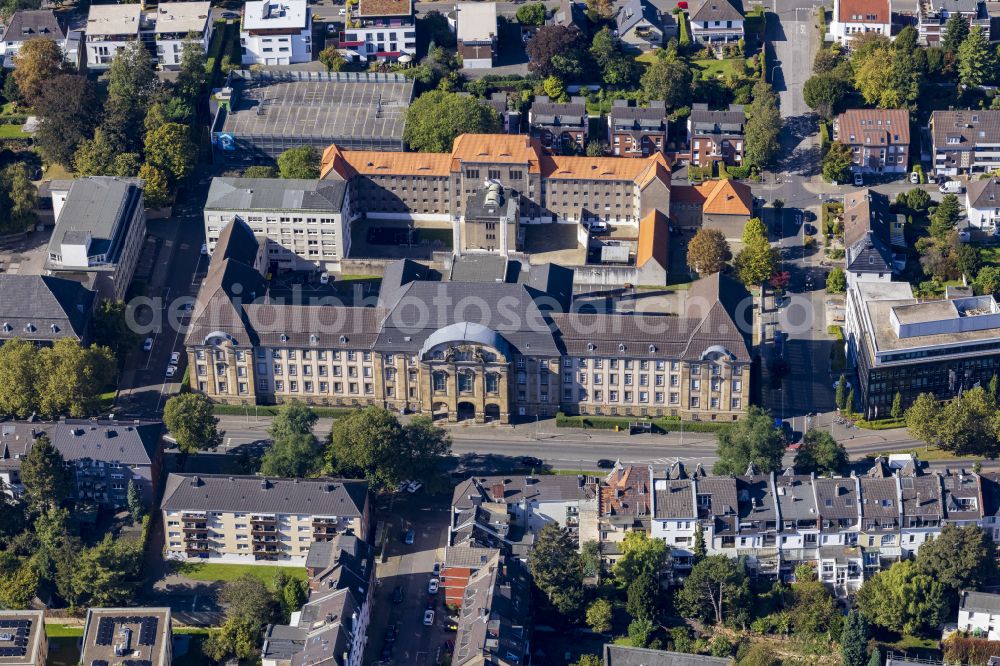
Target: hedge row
<point>13,118</point>
<point>662,424</point>
<point>15,144</point>
<point>272,410</point>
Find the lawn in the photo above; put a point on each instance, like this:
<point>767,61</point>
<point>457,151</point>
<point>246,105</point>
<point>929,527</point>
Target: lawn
<point>226,572</point>
<point>647,57</point>
<point>712,68</point>
<point>990,256</point>
<point>930,454</point>
<point>63,631</point>
<point>12,132</point>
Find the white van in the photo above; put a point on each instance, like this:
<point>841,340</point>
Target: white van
<point>951,187</point>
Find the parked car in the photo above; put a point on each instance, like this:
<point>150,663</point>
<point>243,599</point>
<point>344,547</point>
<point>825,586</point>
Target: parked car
<point>147,345</point>
<point>437,569</point>
<point>451,625</point>
<point>859,180</point>
<point>397,594</point>
<point>605,463</point>
<point>414,486</point>
<point>171,371</point>
<point>230,15</point>
<point>175,358</point>
<point>204,248</point>
<point>432,586</point>
<point>324,278</point>
<point>408,537</point>
<point>341,12</point>
<point>951,187</point>
<point>428,618</point>
<point>914,177</point>
<point>529,461</point>
<point>598,227</point>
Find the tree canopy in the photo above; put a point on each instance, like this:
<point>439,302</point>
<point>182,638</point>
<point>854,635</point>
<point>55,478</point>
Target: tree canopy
<point>716,591</point>
<point>960,558</point>
<point>36,62</point>
<point>763,126</point>
<point>437,117</point>
<point>708,251</point>
<point>46,479</point>
<point>902,599</point>
<point>531,14</point>
<point>553,41</point>
<point>820,453</point>
<point>189,418</point>
<point>301,162</point>
<point>752,439</point>
<point>557,569</point>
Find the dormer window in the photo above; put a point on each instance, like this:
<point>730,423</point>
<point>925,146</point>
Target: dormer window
<point>622,347</point>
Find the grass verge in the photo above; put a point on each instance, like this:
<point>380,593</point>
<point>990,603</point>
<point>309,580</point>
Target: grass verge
<point>63,631</point>
<point>884,424</point>
<point>930,454</point>
<point>227,572</point>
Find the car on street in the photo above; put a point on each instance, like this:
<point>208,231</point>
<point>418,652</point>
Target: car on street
<point>432,586</point>
<point>230,15</point>
<point>605,463</point>
<point>437,569</point>
<point>451,625</point>
<point>390,633</point>
<point>204,248</point>
<point>408,537</point>
<point>341,12</point>
<point>428,618</point>
<point>397,595</point>
<point>847,384</point>
<point>914,177</point>
<point>175,358</point>
<point>951,187</point>
<point>171,370</point>
<point>414,486</point>
<point>331,28</point>
<point>147,345</point>
<point>529,461</point>
<point>859,180</point>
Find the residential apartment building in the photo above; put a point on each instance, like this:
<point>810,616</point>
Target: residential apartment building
<point>303,222</point>
<point>900,344</point>
<point>637,131</point>
<point>965,141</point>
<point>858,17</point>
<point>979,614</point>
<point>467,366</point>
<point>332,626</point>
<point>640,25</point>
<point>982,204</point>
<point>379,31</point>
<point>175,23</point>
<point>23,641</point>
<point>38,24</point>
<point>933,15</point>
<point>99,233</point>
<point>127,635</point>
<point>110,28</point>
<point>494,622</point>
<point>476,33</point>
<point>15,441</point>
<point>869,235</point>
<point>550,188</point>
<point>561,127</point>
<point>715,22</point>
<point>879,139</point>
<point>716,136</point>
<point>624,504</point>
<point>276,32</point>
<point>252,518</point>
<point>44,309</point>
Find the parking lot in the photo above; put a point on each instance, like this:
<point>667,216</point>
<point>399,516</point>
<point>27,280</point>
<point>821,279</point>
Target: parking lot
<point>409,567</point>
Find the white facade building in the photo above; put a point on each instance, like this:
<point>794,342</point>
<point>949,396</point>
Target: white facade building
<point>858,17</point>
<point>379,30</point>
<point>110,28</point>
<point>979,614</point>
<point>174,22</point>
<point>982,204</point>
<point>276,32</point>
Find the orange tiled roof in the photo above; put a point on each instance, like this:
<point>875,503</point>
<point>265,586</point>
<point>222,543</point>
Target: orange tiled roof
<point>600,168</point>
<point>373,162</point>
<point>864,11</point>
<point>726,197</point>
<point>654,239</point>
<point>497,148</point>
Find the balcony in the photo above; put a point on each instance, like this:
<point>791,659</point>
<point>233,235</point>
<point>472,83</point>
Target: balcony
<point>193,527</point>
<point>197,549</point>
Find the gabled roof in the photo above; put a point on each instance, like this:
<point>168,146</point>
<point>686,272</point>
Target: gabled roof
<point>864,11</point>
<point>866,231</point>
<point>33,24</point>
<point>707,121</point>
<point>726,197</point>
<point>40,307</point>
<point>129,444</point>
<point>716,10</point>
<point>984,602</point>
<point>984,193</point>
<point>837,499</point>
<point>631,13</point>
<point>964,129</point>
<point>654,240</point>
<point>874,127</point>
<point>493,623</point>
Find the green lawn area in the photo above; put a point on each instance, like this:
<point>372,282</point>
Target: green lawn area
<point>990,256</point>
<point>226,572</point>
<point>649,57</point>
<point>930,454</point>
<point>12,132</point>
<point>63,631</point>
<point>711,68</point>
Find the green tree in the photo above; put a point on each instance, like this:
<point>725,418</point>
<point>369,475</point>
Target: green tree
<point>923,418</point>
<point>590,552</point>
<point>757,261</point>
<point>192,76</point>
<point>423,447</point>
<point>588,660</point>
<point>170,148</point>
<point>191,423</point>
<point>814,611</point>
<point>944,217</point>
<point>36,62</point>
<point>109,328</point>
<point>136,507</point>
<point>640,632</point>
<point>993,390</point>
<point>643,597</point>
<point>19,197</point>
<point>18,373</point>
<point>669,80</point>
<point>918,200</point>
<point>886,77</point>
<point>156,190</point>
<point>71,378</point>
<point>960,558</point>
<point>968,424</point>
<point>122,124</point>
<point>825,93</point>
<point>841,396</point>
<point>708,251</point>
<point>108,573</point>
<point>850,400</point>
<point>18,586</point>
<point>897,406</point>
<point>640,554</point>
<point>837,163</point>
<point>437,117</point>
<point>988,280</point>
<point>293,418</point>
<point>956,31</point>
<point>700,551</point>
<point>532,14</point>
<point>876,657</point>
<point>551,42</point>
<point>854,640</point>
<point>753,439</point>
<point>763,126</point>
<point>331,59</point>
<point>716,591</point>
<point>132,76</point>
<point>759,654</point>
<point>558,570</point>
<point>46,479</point>
<point>67,111</point>
<point>554,88</point>
<point>903,599</point>
<point>976,59</point>
<point>836,281</point>
<point>594,148</point>
<point>293,595</point>
<point>967,258</point>
<point>94,157</point>
<point>291,455</point>
<point>599,615</point>
<point>260,171</point>
<point>820,453</point>
<point>250,607</point>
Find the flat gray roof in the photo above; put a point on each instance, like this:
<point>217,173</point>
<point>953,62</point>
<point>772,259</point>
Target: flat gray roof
<point>101,206</point>
<point>316,104</point>
<point>275,194</point>
<point>886,340</point>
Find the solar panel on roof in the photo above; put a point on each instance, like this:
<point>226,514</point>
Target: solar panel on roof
<point>147,630</point>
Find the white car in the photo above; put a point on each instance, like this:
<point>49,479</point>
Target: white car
<point>204,248</point>
<point>324,278</point>
<point>914,177</point>
<point>175,358</point>
<point>414,486</point>
<point>859,180</point>
<point>171,370</point>
<point>428,618</point>
<point>147,345</point>
<point>341,12</point>
<point>432,586</point>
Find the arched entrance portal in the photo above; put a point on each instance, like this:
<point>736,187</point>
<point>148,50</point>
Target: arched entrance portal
<point>492,413</point>
<point>440,411</point>
<point>466,411</point>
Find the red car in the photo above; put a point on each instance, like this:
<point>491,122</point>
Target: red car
<point>682,4</point>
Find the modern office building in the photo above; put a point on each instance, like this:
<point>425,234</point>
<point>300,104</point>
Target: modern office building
<point>23,641</point>
<point>900,344</point>
<point>716,136</point>
<point>260,114</point>
<point>176,22</point>
<point>44,309</point>
<point>305,223</point>
<point>127,635</point>
<point>252,518</point>
<point>99,232</point>
<point>111,28</point>
<point>965,141</point>
<point>276,32</point>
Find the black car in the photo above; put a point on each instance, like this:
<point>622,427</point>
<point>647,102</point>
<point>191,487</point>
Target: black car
<point>604,463</point>
<point>397,595</point>
<point>230,15</point>
<point>386,652</point>
<point>451,625</point>
<point>529,461</point>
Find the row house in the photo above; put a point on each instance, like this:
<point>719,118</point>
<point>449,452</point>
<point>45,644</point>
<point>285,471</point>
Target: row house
<point>871,230</point>
<point>254,519</point>
<point>624,504</point>
<point>965,141</point>
<point>716,136</point>
<point>560,126</point>
<point>879,139</point>
<point>637,131</point>
<point>494,618</point>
